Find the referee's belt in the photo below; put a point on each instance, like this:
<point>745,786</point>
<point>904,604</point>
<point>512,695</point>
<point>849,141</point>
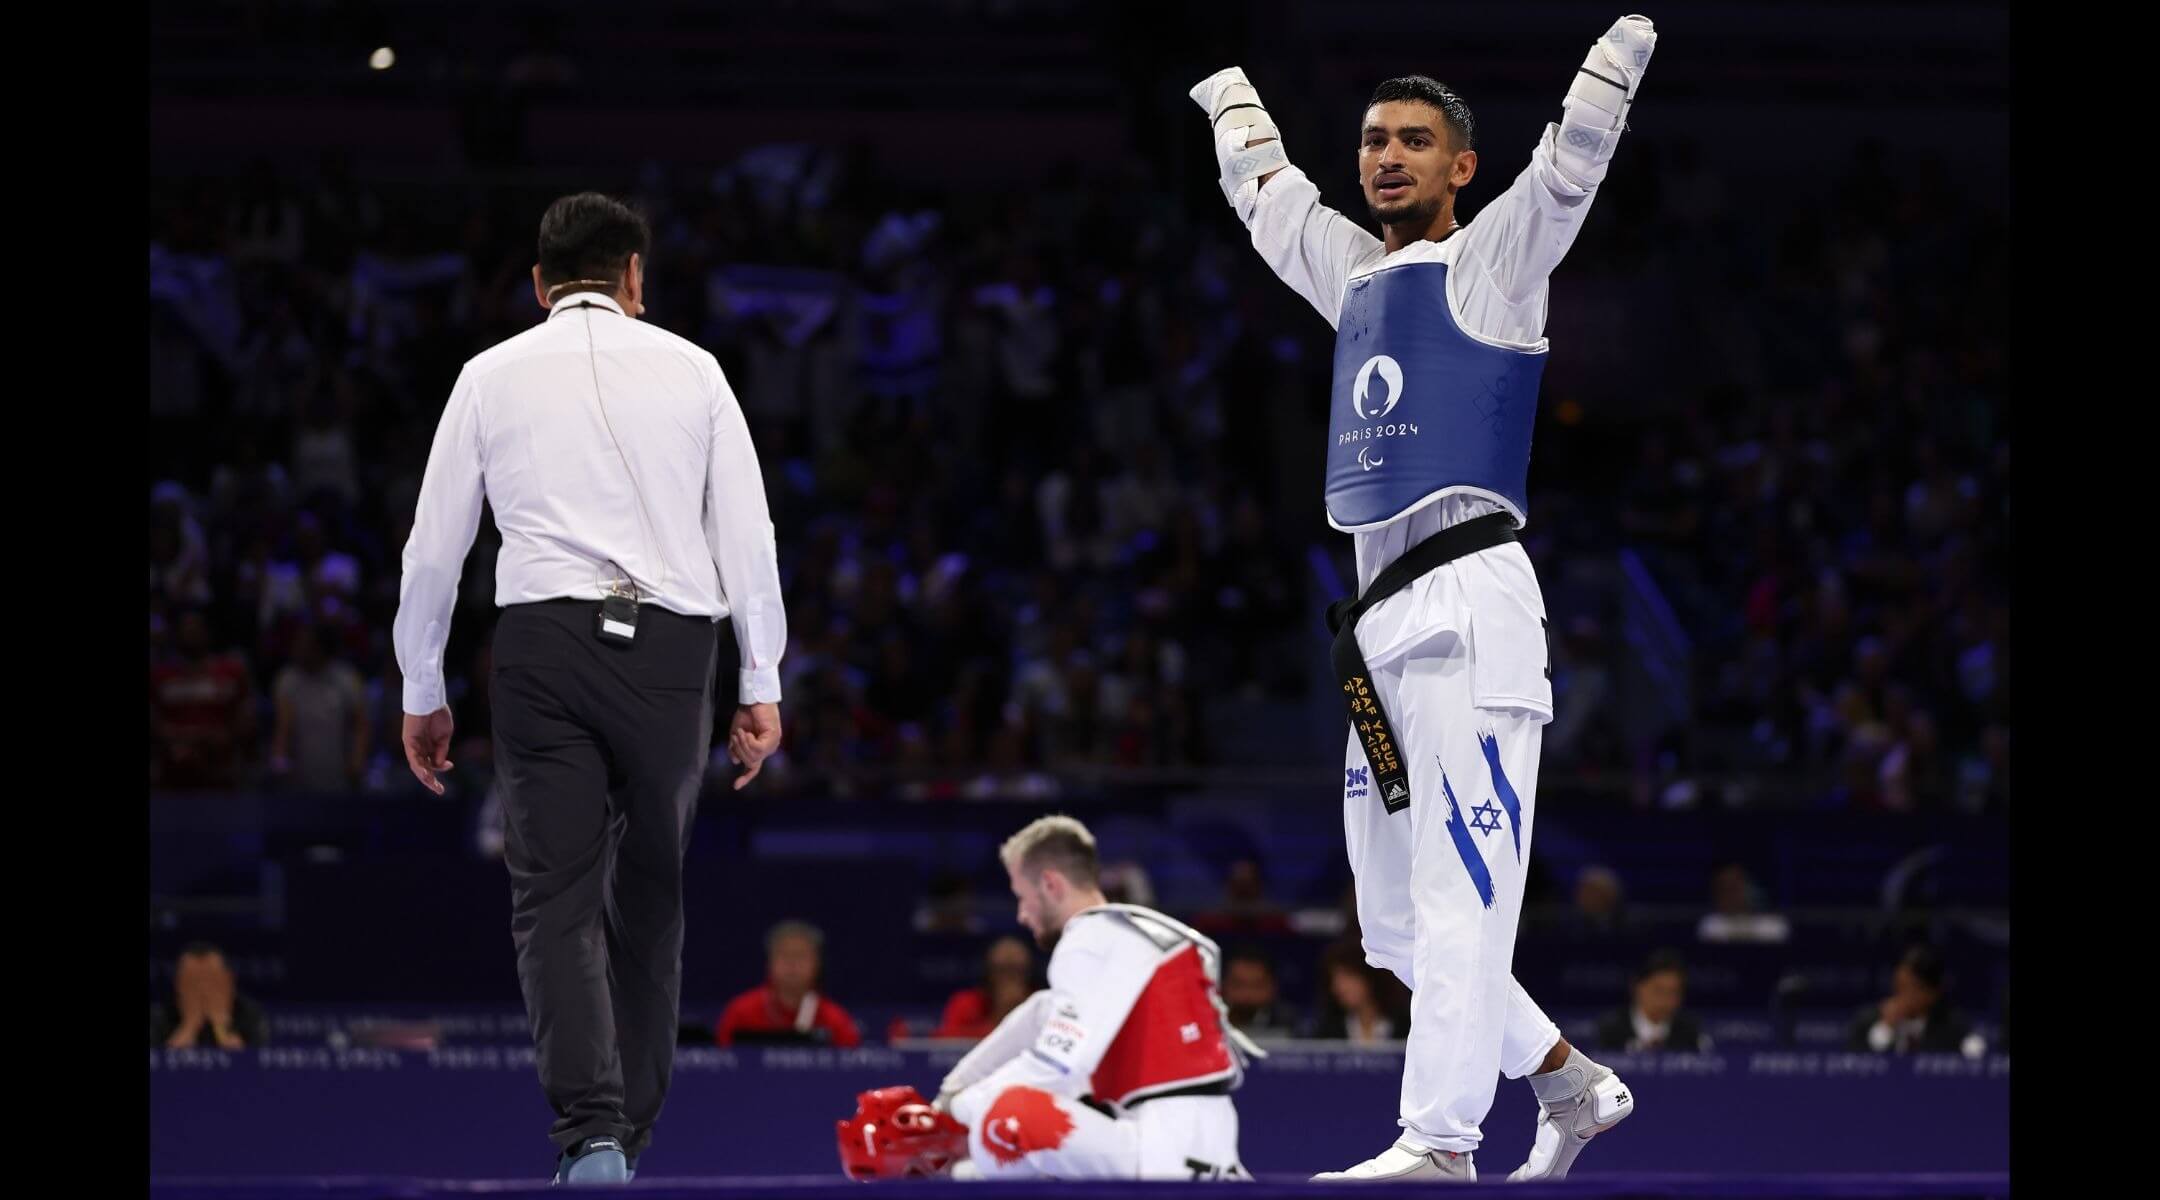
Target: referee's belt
<point>1391,775</point>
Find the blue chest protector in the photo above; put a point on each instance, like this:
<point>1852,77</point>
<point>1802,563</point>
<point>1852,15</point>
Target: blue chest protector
<point>1418,406</point>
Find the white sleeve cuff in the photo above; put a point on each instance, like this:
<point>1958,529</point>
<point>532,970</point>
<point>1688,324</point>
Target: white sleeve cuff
<point>423,696</point>
<point>760,686</point>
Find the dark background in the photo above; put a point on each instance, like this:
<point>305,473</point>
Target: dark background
<point>1069,553</point>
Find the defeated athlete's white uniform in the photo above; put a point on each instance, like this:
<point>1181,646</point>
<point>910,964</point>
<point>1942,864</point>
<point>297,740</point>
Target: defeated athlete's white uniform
<point>1459,662</point>
<point>1131,1021</point>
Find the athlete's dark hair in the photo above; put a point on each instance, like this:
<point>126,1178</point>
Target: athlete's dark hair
<point>1462,127</point>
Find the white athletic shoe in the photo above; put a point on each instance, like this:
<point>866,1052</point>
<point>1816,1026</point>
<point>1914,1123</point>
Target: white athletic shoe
<point>1406,1161</point>
<point>1566,1124</point>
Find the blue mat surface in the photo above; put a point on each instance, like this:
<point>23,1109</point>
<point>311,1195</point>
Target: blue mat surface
<point>478,1114</point>
<point>1606,1187</point>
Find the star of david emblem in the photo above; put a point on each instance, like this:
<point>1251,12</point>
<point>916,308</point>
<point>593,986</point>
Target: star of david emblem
<point>1485,818</point>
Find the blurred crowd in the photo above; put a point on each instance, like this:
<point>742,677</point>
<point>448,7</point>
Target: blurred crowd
<point>1850,464</point>
<point>1044,469</point>
<point>1355,1003</point>
<point>1348,1000</point>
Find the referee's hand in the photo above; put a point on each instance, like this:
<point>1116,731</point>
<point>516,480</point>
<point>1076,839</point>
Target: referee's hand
<point>427,746</point>
<point>752,737</point>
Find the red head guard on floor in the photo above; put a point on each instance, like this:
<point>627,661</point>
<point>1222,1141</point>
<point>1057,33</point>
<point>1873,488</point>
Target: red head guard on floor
<point>895,1134</point>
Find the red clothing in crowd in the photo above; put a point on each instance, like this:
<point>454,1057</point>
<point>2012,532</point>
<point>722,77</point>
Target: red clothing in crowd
<point>198,705</point>
<point>758,1011</point>
<point>967,1015</point>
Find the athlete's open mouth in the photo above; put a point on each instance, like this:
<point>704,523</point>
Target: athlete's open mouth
<point>1391,186</point>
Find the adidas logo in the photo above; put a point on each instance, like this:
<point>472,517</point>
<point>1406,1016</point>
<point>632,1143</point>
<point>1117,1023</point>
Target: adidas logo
<point>1397,791</point>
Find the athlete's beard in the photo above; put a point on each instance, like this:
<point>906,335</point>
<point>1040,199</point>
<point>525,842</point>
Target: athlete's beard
<point>1047,940</point>
<point>1412,212</point>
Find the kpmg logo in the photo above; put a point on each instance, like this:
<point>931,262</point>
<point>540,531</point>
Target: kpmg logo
<point>1356,780</point>
<point>1390,373</point>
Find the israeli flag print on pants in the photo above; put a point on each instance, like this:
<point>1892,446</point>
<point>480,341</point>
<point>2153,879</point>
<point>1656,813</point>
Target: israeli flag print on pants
<point>1440,885</point>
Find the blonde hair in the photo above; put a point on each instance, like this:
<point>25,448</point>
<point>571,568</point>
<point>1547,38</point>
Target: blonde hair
<point>1055,841</point>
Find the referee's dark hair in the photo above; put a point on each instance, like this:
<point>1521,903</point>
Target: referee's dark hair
<point>1462,127</point>
<point>591,236</point>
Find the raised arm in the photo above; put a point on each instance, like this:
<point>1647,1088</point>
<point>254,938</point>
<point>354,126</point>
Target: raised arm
<point>1521,236</point>
<point>1308,245</point>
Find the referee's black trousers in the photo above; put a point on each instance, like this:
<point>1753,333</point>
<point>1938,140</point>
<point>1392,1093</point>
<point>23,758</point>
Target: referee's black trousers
<point>599,753</point>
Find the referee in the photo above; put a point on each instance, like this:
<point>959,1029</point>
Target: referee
<point>633,518</point>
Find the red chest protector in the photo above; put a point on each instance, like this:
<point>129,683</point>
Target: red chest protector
<point>1173,1039</point>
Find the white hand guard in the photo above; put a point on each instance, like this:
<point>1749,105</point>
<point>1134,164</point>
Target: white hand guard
<point>1595,111</point>
<point>1236,116</point>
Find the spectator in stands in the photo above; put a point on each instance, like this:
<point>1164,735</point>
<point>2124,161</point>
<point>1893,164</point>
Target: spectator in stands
<point>1364,1004</point>
<point>1245,907</point>
<point>179,555</point>
<point>1248,990</point>
<point>1008,979</point>
<point>202,712</point>
<point>208,1011</point>
<point>1127,883</point>
<point>949,906</point>
<point>1734,914</point>
<point>1598,899</point>
<point>787,1006</point>
<point>1652,1019</point>
<point>320,740</point>
<point>1914,1016</point>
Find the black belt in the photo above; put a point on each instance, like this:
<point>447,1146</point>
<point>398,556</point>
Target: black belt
<point>1391,775</point>
<point>1217,1087</point>
<point>572,602</point>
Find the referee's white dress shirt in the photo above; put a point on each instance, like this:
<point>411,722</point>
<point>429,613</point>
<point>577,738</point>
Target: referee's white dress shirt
<point>609,449</point>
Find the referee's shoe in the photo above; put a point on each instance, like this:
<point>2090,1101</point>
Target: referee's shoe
<point>597,1161</point>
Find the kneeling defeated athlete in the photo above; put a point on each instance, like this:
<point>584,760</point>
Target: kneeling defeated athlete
<point>1121,1069</point>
